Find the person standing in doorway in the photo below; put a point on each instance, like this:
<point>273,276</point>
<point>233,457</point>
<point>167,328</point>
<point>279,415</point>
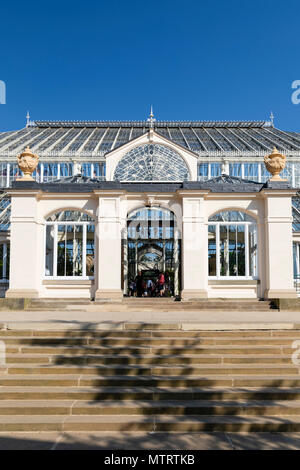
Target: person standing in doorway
<point>161,284</point>
<point>139,284</point>
<point>149,287</point>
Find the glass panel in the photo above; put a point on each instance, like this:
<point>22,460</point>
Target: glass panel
<point>235,169</point>
<point>3,174</point>
<point>37,173</point>
<point>1,260</point>
<point>265,175</point>
<point>76,249</point>
<point>86,169</point>
<point>66,169</point>
<point>215,169</point>
<point>297,174</point>
<point>50,172</point>
<point>240,261</point>
<point>62,260</point>
<point>287,172</point>
<point>252,250</point>
<point>7,261</point>
<point>232,250</point>
<point>70,216</point>
<point>69,250</point>
<point>251,171</point>
<point>212,254</point>
<point>90,249</point>
<point>231,216</point>
<point>224,251</point>
<point>151,223</point>
<point>203,172</point>
<point>49,250</point>
<point>14,172</point>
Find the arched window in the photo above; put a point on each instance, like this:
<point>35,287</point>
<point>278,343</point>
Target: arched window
<point>232,245</point>
<point>70,245</point>
<point>152,162</point>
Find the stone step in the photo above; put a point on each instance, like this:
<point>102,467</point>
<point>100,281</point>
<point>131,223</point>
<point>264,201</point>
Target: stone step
<point>152,306</point>
<point>134,330</point>
<point>282,423</point>
<point>175,382</point>
<point>150,370</point>
<point>53,393</point>
<point>209,350</point>
<point>147,359</point>
<point>153,342</point>
<point>144,407</point>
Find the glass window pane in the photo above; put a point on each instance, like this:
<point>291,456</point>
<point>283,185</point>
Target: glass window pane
<point>50,172</point>
<point>232,248</point>
<point>215,169</point>
<point>252,250</point>
<point>1,260</point>
<point>70,216</point>
<point>90,249</point>
<point>7,261</point>
<point>49,250</point>
<point>231,216</point>
<point>240,251</point>
<point>203,172</point>
<point>61,250</point>
<point>224,251</point>
<point>235,169</point>
<point>212,254</point>
<point>76,250</point>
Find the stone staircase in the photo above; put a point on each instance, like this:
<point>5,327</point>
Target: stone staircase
<point>131,304</point>
<point>149,378</point>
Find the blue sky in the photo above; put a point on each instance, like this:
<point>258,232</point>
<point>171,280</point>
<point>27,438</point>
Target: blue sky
<point>193,60</point>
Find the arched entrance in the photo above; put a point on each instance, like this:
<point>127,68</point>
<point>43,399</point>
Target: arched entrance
<point>152,247</point>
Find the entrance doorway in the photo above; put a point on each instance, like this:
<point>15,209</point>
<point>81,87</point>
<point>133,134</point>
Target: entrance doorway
<point>152,248</point>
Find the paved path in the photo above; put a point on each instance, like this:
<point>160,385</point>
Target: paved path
<point>186,319</point>
<point>148,441</point>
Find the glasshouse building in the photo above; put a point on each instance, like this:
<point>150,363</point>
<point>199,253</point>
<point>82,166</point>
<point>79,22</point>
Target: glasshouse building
<point>87,207</point>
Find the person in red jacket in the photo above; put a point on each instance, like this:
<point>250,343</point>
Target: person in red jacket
<point>161,284</point>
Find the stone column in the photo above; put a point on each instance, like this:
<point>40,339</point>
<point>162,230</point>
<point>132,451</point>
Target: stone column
<point>279,282</point>
<point>26,247</point>
<point>194,247</point>
<point>108,239</point>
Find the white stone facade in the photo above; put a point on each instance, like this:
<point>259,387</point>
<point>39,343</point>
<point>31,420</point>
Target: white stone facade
<point>271,210</point>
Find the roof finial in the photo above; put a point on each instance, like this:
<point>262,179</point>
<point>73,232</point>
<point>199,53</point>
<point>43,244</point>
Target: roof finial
<point>27,119</point>
<point>272,119</point>
<point>151,119</point>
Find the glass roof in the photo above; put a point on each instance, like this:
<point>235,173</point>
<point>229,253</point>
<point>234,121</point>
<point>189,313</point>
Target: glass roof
<point>88,138</point>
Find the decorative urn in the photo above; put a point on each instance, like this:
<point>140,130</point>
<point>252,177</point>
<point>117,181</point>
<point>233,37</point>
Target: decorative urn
<point>27,162</point>
<point>275,164</point>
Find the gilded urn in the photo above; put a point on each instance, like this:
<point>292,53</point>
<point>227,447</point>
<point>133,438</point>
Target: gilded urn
<point>27,162</point>
<point>275,164</point>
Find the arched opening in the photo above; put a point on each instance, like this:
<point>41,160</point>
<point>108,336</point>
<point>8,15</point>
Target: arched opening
<point>232,245</point>
<point>69,245</point>
<point>151,248</point>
